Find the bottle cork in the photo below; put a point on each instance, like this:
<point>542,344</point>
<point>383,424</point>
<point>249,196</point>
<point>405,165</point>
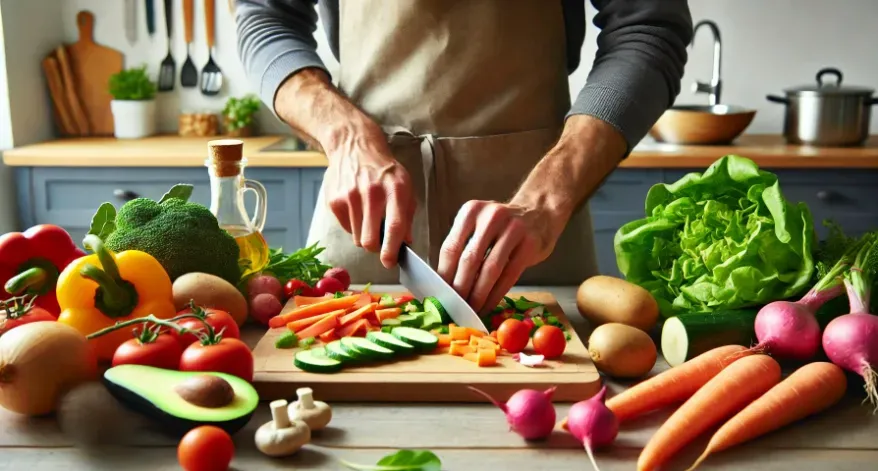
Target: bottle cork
<point>226,156</point>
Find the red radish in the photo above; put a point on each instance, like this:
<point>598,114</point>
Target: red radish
<point>530,413</point>
<point>264,284</point>
<point>593,424</point>
<point>339,274</point>
<point>265,306</point>
<point>329,285</point>
<point>851,341</point>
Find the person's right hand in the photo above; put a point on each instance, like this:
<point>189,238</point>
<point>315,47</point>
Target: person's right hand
<point>365,186</point>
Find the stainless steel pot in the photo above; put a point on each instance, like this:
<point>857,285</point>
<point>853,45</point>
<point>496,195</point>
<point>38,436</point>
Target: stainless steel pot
<point>827,114</point>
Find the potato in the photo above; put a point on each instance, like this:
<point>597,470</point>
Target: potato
<point>621,351</point>
<point>602,299</point>
<point>210,291</point>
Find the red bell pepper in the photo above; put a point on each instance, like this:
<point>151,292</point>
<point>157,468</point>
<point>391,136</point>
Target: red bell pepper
<point>31,261</point>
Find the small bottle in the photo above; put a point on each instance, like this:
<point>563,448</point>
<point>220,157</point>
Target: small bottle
<point>225,164</point>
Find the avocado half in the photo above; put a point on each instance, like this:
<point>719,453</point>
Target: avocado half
<point>153,392</point>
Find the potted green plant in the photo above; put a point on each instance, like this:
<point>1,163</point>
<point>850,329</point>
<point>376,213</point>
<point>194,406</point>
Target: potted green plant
<point>133,104</point>
<point>239,114</point>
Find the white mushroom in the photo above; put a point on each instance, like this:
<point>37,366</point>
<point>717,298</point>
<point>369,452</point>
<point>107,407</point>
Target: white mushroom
<point>316,414</point>
<point>281,436</point>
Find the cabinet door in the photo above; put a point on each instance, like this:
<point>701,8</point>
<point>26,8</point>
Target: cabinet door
<point>311,180</point>
<point>605,228</point>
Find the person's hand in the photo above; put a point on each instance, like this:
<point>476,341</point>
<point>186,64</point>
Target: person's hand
<point>491,244</point>
<point>366,185</point>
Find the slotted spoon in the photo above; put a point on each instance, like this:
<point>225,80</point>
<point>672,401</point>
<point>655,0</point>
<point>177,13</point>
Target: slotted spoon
<point>188,73</point>
<point>168,68</point>
<point>211,75</point>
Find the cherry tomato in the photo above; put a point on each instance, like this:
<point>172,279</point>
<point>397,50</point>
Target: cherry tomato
<point>14,313</point>
<point>329,285</point>
<point>296,287</point>
<point>162,351</point>
<point>513,335</point>
<point>549,341</point>
<point>220,320</point>
<point>230,356</point>
<point>206,448</point>
<point>530,324</point>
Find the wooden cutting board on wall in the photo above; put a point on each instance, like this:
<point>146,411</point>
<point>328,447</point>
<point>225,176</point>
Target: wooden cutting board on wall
<point>92,65</point>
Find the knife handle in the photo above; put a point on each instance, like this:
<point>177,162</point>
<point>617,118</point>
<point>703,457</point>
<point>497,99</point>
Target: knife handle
<point>150,16</point>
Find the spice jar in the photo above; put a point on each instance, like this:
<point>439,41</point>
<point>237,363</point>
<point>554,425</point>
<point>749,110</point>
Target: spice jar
<point>198,124</point>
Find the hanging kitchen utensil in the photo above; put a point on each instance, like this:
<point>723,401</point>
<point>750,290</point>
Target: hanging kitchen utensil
<point>188,73</point>
<point>211,75</point>
<point>150,17</point>
<point>131,20</point>
<point>827,114</point>
<point>168,68</point>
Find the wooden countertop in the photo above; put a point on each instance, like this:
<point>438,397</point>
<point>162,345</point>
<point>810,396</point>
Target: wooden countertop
<point>768,151</point>
<point>464,436</point>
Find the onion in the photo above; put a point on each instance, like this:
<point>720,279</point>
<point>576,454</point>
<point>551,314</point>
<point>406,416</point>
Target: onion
<point>39,362</point>
<point>530,413</point>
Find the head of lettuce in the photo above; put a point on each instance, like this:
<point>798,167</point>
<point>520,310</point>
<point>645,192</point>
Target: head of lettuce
<point>722,239</point>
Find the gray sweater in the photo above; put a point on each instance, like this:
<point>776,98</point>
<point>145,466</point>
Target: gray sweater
<point>634,78</point>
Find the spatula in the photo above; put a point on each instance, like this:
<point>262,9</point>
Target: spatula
<point>211,76</point>
<point>168,69</point>
<point>188,73</point>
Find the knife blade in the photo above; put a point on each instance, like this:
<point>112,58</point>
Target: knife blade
<point>131,20</point>
<point>150,17</point>
<point>421,280</point>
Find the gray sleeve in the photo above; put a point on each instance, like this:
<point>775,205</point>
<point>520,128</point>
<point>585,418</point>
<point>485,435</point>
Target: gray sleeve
<point>275,40</point>
<point>639,63</point>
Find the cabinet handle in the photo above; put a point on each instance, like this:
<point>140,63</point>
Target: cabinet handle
<point>126,195</point>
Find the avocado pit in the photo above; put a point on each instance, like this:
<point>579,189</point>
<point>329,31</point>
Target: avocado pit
<point>206,391</point>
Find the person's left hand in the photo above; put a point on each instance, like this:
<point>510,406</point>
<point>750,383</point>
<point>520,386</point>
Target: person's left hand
<point>491,244</point>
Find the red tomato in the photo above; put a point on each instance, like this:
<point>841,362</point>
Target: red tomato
<point>529,323</point>
<point>296,287</point>
<point>161,352</point>
<point>206,448</point>
<point>549,341</point>
<point>14,314</point>
<point>230,356</point>
<point>329,285</point>
<point>513,335</point>
<point>220,320</point>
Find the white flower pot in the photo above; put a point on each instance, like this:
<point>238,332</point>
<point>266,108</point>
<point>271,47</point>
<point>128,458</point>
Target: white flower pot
<point>133,119</point>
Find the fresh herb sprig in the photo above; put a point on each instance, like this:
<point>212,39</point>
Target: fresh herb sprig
<point>301,264</point>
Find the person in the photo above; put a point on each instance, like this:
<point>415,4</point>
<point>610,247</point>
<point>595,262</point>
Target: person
<point>451,126</point>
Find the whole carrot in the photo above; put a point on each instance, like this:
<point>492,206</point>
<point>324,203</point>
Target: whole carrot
<point>675,385</point>
<point>728,392</point>
<point>810,389</point>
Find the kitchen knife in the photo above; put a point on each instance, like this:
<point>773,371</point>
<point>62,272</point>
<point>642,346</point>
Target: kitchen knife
<point>131,20</point>
<point>421,280</point>
<point>150,17</point>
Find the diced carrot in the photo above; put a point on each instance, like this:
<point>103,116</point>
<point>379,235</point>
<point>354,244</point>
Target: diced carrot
<point>444,340</point>
<point>328,336</point>
<point>300,324</point>
<point>458,333</point>
<point>390,313</point>
<point>358,314</point>
<point>306,300</point>
<point>474,342</point>
<point>488,338</point>
<point>486,357</point>
<point>322,307</point>
<point>471,356</point>
<point>487,344</point>
<point>475,332</point>
<point>459,342</point>
<point>319,327</point>
<point>352,328</point>
<point>458,349</point>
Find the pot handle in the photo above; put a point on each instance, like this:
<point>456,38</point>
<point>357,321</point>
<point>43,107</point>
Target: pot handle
<point>830,71</point>
<point>777,99</point>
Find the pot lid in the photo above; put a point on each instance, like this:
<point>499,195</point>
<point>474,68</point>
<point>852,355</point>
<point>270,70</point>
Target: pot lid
<point>829,86</point>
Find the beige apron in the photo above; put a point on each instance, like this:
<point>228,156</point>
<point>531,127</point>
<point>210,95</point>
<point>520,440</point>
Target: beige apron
<point>472,93</point>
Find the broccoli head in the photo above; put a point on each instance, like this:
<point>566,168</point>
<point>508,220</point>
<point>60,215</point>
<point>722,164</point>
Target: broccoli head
<point>184,237</point>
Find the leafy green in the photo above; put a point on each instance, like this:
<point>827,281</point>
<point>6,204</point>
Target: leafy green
<point>301,264</point>
<point>103,223</point>
<point>861,277</point>
<point>132,84</point>
<point>403,460</point>
<point>180,191</point>
<point>726,238</point>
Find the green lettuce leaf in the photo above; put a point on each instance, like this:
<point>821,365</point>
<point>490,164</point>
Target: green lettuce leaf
<point>726,239</point>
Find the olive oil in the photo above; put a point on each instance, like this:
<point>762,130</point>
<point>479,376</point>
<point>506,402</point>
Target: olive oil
<point>253,249</point>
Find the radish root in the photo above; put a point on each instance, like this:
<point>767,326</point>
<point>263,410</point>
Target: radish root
<point>591,456</point>
<point>871,386</point>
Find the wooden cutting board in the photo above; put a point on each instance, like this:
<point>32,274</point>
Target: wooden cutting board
<point>436,377</point>
<point>92,65</point>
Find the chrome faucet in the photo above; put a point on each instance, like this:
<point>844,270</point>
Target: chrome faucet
<point>714,88</point>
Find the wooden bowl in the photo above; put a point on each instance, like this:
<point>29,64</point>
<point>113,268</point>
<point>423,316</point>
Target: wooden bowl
<point>694,124</point>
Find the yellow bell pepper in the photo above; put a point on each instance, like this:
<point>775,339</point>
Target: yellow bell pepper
<point>97,291</point>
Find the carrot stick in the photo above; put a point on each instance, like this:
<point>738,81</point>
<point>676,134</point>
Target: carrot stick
<point>390,313</point>
<point>300,324</point>
<point>352,328</point>
<point>810,389</point>
<point>675,385</point>
<point>306,300</point>
<point>726,393</point>
<point>328,336</point>
<point>358,314</point>
<point>319,327</point>
<point>322,307</point>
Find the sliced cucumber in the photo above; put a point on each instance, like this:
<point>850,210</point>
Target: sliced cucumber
<point>411,320</point>
<point>390,342</point>
<point>413,306</point>
<point>430,319</point>
<point>421,339</point>
<point>336,351</point>
<point>386,301</point>
<point>368,348</point>
<point>347,344</point>
<point>689,335</point>
<point>433,305</point>
<point>391,322</point>
<point>316,361</point>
